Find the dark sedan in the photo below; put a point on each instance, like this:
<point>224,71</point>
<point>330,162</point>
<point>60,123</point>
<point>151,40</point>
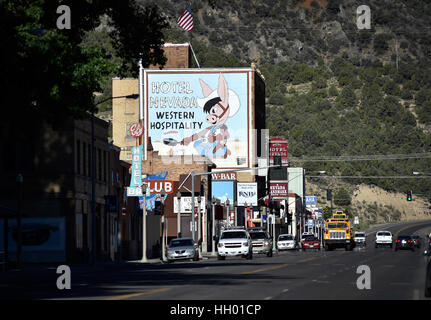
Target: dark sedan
<point>405,242</point>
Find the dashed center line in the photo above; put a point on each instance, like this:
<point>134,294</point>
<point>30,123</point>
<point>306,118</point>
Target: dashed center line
<point>133,295</point>
<point>265,269</point>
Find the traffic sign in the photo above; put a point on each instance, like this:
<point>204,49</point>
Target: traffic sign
<point>310,200</point>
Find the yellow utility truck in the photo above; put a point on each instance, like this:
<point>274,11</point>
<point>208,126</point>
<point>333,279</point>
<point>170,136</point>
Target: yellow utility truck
<point>338,233</point>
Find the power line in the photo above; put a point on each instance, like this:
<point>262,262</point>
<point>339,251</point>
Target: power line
<point>363,158</point>
<point>372,177</point>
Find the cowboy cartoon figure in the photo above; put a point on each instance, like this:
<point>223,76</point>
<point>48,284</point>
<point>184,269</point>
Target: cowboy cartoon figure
<point>220,105</point>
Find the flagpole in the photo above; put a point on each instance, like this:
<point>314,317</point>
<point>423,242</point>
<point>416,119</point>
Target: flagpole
<point>191,47</point>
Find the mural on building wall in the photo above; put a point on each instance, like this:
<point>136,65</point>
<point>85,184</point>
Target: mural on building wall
<point>43,239</point>
<point>199,113</point>
<point>151,199</point>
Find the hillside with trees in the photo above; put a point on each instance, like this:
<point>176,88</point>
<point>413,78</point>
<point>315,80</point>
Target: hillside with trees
<point>332,90</point>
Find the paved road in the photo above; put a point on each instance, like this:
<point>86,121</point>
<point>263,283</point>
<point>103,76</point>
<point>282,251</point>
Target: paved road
<point>285,276</point>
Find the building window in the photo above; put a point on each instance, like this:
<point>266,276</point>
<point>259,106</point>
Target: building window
<point>84,157</point>
<point>79,230</point>
<point>129,107</point>
<point>78,157</point>
<point>127,136</point>
<point>99,161</point>
<point>105,166</point>
<point>89,160</point>
<point>128,155</point>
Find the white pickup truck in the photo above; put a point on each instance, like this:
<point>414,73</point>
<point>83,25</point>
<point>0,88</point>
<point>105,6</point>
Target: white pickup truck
<point>383,238</point>
<point>235,242</point>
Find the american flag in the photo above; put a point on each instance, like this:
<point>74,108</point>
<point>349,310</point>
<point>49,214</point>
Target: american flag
<point>185,21</point>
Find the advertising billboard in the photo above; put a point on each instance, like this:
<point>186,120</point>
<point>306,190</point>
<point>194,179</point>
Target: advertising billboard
<point>278,190</point>
<point>223,190</point>
<point>247,193</point>
<point>200,112</point>
<point>278,147</point>
<point>186,204</point>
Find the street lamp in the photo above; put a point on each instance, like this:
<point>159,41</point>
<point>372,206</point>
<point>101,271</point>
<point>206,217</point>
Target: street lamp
<point>162,195</point>
<point>144,220</point>
<point>227,203</point>
<point>19,180</point>
<point>235,205</point>
<point>245,215</point>
<point>213,201</point>
<point>179,215</point>
<point>199,227</point>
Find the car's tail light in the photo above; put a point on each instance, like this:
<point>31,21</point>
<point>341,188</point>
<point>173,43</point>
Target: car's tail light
<point>410,241</point>
<point>397,241</point>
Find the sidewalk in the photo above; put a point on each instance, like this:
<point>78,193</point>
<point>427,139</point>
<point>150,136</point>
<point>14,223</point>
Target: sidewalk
<point>155,260</point>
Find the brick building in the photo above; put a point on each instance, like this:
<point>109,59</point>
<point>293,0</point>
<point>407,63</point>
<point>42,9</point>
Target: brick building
<point>56,166</point>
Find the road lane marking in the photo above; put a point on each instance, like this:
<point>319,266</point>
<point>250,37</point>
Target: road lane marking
<point>407,227</point>
<point>133,295</point>
<point>265,269</point>
<point>309,259</point>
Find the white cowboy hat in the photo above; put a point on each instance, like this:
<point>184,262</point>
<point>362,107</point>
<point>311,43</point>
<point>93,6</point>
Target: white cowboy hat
<point>233,101</point>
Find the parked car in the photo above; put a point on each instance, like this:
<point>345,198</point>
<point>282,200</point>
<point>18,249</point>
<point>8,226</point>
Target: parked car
<point>262,242</point>
<point>359,238</point>
<point>182,249</point>
<point>310,242</point>
<point>404,242</point>
<point>286,242</point>
<point>417,240</point>
<point>383,238</point>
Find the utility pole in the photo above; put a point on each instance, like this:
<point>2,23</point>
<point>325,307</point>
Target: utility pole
<point>199,227</point>
<point>193,206</point>
<point>19,180</point>
<point>213,227</point>
<point>162,194</point>
<point>144,223</point>
<point>179,215</point>
<point>119,249</point>
<point>93,191</point>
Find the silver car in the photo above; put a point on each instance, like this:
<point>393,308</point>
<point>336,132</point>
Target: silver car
<point>182,249</point>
